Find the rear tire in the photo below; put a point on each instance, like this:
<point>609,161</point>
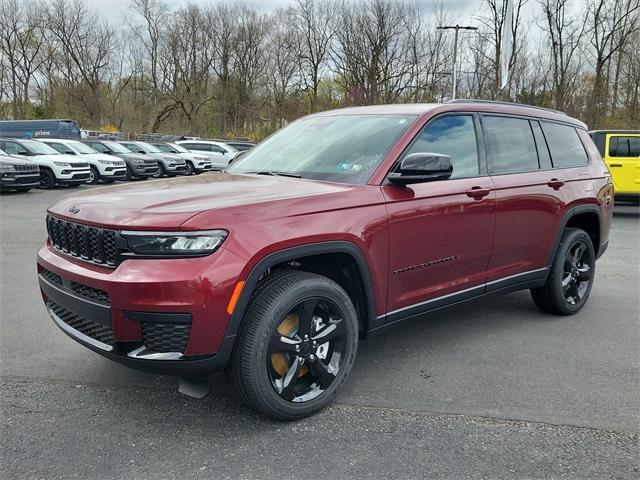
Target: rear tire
<point>571,276</point>
<point>305,379</point>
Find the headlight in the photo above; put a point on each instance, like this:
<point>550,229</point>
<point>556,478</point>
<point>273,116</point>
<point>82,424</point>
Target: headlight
<point>106,162</point>
<point>5,167</point>
<point>175,243</point>
<point>62,164</point>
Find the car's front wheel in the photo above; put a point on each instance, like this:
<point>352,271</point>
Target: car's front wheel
<point>571,276</point>
<point>297,344</point>
<point>94,175</point>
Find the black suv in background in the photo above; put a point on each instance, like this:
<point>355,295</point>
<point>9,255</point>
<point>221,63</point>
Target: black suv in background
<point>138,166</point>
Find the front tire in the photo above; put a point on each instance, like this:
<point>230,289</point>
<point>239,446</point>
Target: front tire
<point>296,346</point>
<point>94,175</point>
<point>47,179</point>
<point>190,170</point>
<point>571,276</point>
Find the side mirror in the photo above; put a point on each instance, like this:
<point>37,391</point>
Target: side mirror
<point>26,154</point>
<point>69,152</point>
<point>422,167</point>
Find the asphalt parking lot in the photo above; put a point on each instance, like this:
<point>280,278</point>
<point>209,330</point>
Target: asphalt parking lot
<point>493,389</point>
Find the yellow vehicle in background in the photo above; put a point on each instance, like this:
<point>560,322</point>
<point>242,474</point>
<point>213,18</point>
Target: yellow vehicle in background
<point>620,150</point>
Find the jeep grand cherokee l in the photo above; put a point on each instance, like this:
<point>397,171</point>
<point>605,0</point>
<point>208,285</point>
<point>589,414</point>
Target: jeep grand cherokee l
<point>343,224</point>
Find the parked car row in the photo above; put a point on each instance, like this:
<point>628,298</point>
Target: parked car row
<point>51,162</point>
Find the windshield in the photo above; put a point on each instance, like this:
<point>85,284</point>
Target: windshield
<point>149,148</point>
<point>337,148</point>
<point>178,148</point>
<point>82,148</point>
<point>116,147</point>
<point>39,148</point>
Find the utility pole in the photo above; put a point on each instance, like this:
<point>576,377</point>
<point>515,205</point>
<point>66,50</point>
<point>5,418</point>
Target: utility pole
<point>457,28</point>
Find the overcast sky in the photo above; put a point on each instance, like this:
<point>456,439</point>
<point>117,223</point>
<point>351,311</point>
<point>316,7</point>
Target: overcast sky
<point>114,10</point>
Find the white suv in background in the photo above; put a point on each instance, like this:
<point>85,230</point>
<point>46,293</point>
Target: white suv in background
<point>55,168</point>
<point>102,167</point>
<point>196,163</point>
<point>221,154</point>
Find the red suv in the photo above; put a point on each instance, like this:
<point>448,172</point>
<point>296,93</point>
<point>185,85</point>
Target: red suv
<point>340,225</point>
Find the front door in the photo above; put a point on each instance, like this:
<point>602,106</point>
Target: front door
<point>440,232</point>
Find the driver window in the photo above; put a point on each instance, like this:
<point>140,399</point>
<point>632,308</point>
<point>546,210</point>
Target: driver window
<point>14,149</point>
<point>452,135</point>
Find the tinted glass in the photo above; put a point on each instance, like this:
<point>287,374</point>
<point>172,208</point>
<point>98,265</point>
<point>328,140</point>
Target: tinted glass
<point>565,145</point>
<point>133,147</point>
<point>148,147</point>
<point>116,147</point>
<point>164,148</point>
<point>59,147</point>
<point>452,135</point>
<point>217,149</point>
<point>339,148</point>
<point>38,148</point>
<point>541,144</point>
<point>98,147</point>
<point>177,148</point>
<point>82,148</point>
<point>510,145</point>
<point>203,147</point>
<point>624,146</point>
<point>14,149</point>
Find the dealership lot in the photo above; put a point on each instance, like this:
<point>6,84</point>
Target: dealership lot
<point>494,388</point>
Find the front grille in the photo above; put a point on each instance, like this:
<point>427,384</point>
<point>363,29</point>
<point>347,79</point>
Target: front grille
<point>25,168</point>
<point>79,164</point>
<point>93,244</point>
<point>90,292</point>
<point>52,277</point>
<point>97,331</point>
<point>150,162</point>
<point>166,337</point>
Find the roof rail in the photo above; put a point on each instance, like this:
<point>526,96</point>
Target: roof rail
<point>497,102</point>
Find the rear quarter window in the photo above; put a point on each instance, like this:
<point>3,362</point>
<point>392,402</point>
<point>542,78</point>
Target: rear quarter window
<point>565,145</point>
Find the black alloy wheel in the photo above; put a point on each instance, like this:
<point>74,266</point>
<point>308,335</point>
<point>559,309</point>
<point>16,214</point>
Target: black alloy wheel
<point>306,350</point>
<point>571,275</point>
<point>577,273</point>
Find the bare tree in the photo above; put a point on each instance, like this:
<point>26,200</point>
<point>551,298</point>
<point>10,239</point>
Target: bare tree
<point>85,46</point>
<point>613,22</point>
<point>565,35</point>
<point>22,43</point>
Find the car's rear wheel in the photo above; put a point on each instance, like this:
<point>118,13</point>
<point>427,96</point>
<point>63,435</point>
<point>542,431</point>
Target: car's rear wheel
<point>296,346</point>
<point>571,277</point>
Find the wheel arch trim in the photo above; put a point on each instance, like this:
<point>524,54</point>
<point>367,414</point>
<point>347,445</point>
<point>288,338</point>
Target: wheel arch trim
<point>569,214</point>
<point>301,251</point>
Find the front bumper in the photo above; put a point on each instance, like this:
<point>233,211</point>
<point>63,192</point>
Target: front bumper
<point>74,178</point>
<point>179,169</point>
<point>113,173</point>
<point>160,316</point>
<point>144,171</point>
<point>19,180</point>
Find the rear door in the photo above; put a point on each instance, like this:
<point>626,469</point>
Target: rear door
<point>530,198</point>
<point>440,232</point>
<point>623,161</point>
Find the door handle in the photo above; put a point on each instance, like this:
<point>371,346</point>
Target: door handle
<point>478,192</point>
<point>615,164</point>
<point>555,183</point>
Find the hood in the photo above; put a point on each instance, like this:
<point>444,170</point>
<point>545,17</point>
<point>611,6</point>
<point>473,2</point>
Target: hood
<point>98,156</point>
<point>167,157</point>
<point>167,204</point>
<point>136,157</point>
<point>58,158</point>
<point>7,159</point>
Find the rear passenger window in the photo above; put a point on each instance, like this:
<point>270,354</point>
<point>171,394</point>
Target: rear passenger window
<point>452,135</point>
<point>565,145</point>
<point>624,146</point>
<point>510,145</point>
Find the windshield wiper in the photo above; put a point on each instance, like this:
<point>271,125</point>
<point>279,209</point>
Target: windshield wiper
<point>275,173</point>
